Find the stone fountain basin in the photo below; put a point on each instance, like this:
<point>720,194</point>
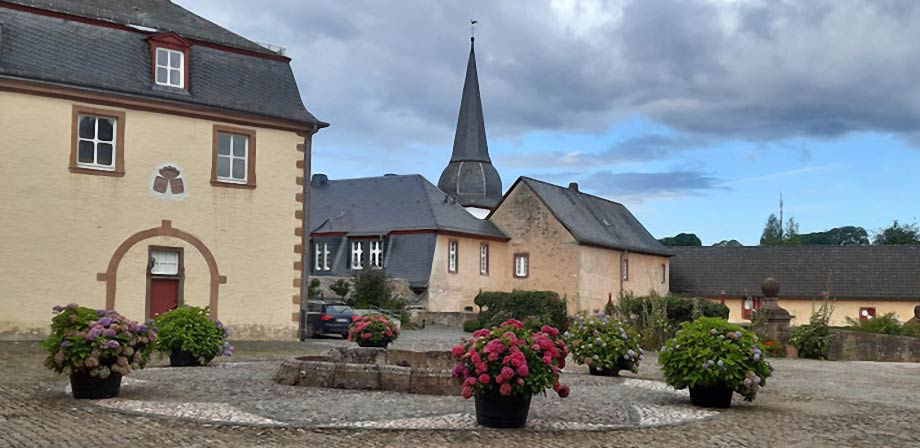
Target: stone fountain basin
<point>357,368</point>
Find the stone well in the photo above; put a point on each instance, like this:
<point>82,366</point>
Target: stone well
<point>415,372</point>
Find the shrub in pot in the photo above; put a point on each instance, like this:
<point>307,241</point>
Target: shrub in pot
<point>503,367</point>
<point>603,344</point>
<point>190,337</point>
<point>714,359</point>
<point>373,330</point>
<point>96,347</point>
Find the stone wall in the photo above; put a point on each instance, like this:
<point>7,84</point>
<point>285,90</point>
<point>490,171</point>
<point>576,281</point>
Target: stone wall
<point>400,287</point>
<point>421,319</point>
<point>858,346</point>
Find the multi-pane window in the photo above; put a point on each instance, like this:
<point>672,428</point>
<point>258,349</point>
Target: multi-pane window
<point>357,255</point>
<point>483,259</point>
<point>452,256</point>
<point>96,142</point>
<point>866,313</point>
<point>170,68</point>
<point>165,262</point>
<point>521,265</point>
<point>321,257</point>
<point>664,274</point>
<point>232,157</point>
<point>377,253</point>
<point>624,269</point>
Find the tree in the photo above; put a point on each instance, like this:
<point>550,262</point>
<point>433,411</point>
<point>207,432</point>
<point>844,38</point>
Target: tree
<point>897,234</point>
<point>728,243</point>
<point>682,239</point>
<point>792,231</point>
<point>772,232</point>
<point>838,236</point>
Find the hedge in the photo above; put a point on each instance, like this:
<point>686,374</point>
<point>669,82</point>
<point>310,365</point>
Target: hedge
<point>677,309</point>
<point>534,308</point>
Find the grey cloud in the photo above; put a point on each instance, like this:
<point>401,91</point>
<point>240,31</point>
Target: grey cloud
<point>636,186</point>
<point>637,149</point>
<point>389,74</point>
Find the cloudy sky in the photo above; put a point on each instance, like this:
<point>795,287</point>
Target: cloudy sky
<point>695,114</point>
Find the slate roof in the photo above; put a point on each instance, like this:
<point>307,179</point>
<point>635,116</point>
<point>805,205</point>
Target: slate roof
<point>112,60</point>
<point>595,221</point>
<point>470,176</point>
<point>845,272</point>
<point>379,205</point>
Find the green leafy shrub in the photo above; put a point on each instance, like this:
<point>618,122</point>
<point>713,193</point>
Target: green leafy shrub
<point>535,308</point>
<point>603,342</point>
<point>884,324</point>
<point>373,289</point>
<point>340,287</point>
<point>657,318</point>
<point>313,289</point>
<point>472,325</point>
<point>372,329</point>
<point>98,343</point>
<point>710,352</point>
<point>812,339</point>
<point>189,329</point>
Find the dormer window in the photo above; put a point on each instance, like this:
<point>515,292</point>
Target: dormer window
<point>169,54</point>
<point>170,68</point>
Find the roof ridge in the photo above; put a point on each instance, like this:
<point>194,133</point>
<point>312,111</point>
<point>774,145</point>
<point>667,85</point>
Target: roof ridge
<point>579,191</point>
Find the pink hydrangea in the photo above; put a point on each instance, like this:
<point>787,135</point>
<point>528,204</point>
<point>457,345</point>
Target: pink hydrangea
<point>484,378</point>
<point>505,389</point>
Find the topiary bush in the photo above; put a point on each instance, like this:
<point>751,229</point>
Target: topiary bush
<point>534,308</point>
<point>189,329</point>
<point>472,325</point>
<point>603,343</point>
<point>710,352</point>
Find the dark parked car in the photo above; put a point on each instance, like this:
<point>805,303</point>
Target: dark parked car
<point>328,318</point>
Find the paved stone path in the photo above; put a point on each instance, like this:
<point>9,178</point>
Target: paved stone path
<point>807,404</point>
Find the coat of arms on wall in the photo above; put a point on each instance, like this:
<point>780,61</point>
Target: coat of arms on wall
<point>169,179</point>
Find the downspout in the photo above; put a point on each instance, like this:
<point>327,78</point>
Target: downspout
<point>306,191</point>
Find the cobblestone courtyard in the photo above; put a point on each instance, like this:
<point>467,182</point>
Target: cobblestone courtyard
<point>807,403</point>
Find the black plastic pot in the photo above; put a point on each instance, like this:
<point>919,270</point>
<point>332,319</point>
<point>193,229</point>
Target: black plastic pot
<point>604,372</point>
<point>182,358</point>
<point>84,386</point>
<point>496,411</point>
<point>370,344</point>
<point>711,397</point>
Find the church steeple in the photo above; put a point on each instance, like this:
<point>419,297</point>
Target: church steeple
<point>470,176</point>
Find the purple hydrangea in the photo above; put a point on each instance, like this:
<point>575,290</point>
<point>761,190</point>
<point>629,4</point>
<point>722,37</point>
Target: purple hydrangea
<point>58,308</point>
<point>109,333</point>
<point>112,344</point>
<point>100,313</point>
<point>72,306</point>
<point>105,321</point>
<point>142,328</point>
<point>65,343</point>
<point>134,328</point>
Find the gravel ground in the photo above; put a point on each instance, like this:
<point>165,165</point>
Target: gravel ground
<point>806,404</point>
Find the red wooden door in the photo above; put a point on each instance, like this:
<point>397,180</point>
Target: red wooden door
<point>164,295</point>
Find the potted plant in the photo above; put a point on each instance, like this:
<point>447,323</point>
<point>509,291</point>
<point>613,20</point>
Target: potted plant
<point>190,337</point>
<point>503,367</point>
<point>714,359</point>
<point>372,330</point>
<point>604,345</point>
<point>96,347</point>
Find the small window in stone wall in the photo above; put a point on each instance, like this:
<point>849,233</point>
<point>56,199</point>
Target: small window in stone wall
<point>664,274</point>
<point>624,269</point>
<point>452,250</point>
<point>866,313</point>
<point>521,265</point>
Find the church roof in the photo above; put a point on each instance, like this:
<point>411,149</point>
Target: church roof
<point>595,221</point>
<point>845,272</point>
<point>470,176</point>
<point>380,205</point>
<point>101,46</point>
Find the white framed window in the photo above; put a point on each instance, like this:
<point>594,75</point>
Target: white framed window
<point>165,262</point>
<point>232,157</point>
<point>357,255</point>
<point>521,265</point>
<point>96,142</point>
<point>321,257</point>
<point>452,256</point>
<point>377,253</point>
<point>624,269</point>
<point>170,68</point>
<point>483,259</point>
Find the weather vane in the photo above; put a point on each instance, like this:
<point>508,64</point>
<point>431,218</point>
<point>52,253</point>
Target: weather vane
<point>473,23</point>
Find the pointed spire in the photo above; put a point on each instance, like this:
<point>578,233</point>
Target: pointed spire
<point>470,177</point>
<point>470,139</point>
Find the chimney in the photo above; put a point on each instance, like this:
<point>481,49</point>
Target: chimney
<point>319,180</point>
<point>573,186</point>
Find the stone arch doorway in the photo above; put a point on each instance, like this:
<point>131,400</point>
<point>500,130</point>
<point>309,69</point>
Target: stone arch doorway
<point>110,276</point>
